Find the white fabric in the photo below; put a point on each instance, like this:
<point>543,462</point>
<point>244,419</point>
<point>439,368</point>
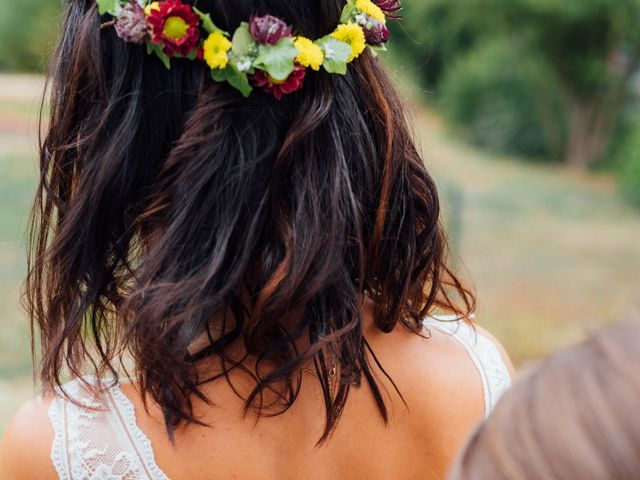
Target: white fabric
<point>484,353</point>
<point>99,439</point>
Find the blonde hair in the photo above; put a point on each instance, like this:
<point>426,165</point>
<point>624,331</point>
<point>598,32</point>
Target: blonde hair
<point>576,417</point>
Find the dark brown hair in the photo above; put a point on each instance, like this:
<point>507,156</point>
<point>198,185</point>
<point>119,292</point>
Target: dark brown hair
<point>166,198</point>
<point>575,417</point>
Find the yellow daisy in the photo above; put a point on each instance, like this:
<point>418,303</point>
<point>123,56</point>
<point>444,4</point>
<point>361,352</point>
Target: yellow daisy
<point>309,54</point>
<point>215,49</point>
<point>352,34</point>
<point>371,9</point>
<point>151,7</point>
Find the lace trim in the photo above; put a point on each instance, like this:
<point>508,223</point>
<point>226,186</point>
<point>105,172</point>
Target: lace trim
<point>56,416</point>
<point>486,357</point>
<point>144,444</point>
<point>99,439</point>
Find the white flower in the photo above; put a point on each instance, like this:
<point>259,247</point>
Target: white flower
<point>244,64</point>
<point>329,53</point>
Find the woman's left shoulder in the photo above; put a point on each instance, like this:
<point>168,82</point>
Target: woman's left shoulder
<point>474,336</point>
<point>498,345</point>
<point>25,449</point>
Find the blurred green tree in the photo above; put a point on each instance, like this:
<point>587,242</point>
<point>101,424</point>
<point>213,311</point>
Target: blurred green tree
<point>493,93</point>
<point>27,33</point>
<point>588,50</point>
<point>593,50</point>
<point>629,161</point>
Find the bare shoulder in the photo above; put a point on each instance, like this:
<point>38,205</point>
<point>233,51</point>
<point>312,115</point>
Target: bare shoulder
<point>442,389</point>
<point>26,445</point>
<point>434,373</point>
<point>439,372</point>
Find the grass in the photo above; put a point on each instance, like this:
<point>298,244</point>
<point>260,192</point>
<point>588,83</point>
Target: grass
<point>16,186</point>
<point>18,120</point>
<point>552,253</point>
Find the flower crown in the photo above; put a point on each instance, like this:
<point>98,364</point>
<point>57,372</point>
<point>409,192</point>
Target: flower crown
<point>263,52</point>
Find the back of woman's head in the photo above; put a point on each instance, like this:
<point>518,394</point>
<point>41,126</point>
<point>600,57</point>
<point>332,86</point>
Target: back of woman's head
<point>576,417</point>
<point>167,198</point>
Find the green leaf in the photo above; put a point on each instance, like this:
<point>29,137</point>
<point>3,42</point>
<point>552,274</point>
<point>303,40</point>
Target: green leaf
<point>233,77</point>
<point>277,60</point>
<point>108,6</point>
<point>377,49</point>
<point>240,82</point>
<point>243,42</point>
<point>207,23</point>
<point>193,54</point>
<point>164,58</point>
<point>336,54</point>
<point>348,12</point>
<point>156,48</point>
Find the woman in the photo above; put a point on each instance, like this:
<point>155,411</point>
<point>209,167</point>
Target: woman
<point>575,417</point>
<point>236,246</point>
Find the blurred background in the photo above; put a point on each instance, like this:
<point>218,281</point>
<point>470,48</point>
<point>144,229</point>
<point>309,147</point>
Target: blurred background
<point>528,114</point>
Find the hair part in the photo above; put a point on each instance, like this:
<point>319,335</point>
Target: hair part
<point>167,200</point>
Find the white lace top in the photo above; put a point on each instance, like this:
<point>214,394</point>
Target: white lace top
<point>100,439</point>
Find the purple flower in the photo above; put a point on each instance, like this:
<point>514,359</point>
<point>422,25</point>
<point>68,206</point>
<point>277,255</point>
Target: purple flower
<point>376,32</point>
<point>131,25</point>
<point>389,7</point>
<point>269,29</point>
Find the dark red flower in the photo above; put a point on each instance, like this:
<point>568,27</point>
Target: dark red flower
<point>376,33</point>
<point>293,83</point>
<point>269,29</point>
<point>175,26</point>
<point>390,7</point>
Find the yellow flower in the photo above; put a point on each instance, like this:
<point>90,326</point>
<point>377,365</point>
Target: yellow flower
<point>215,48</point>
<point>151,7</point>
<point>352,34</point>
<point>371,9</point>
<point>309,54</point>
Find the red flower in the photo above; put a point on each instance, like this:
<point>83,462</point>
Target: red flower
<point>293,83</point>
<point>390,7</point>
<point>269,29</point>
<point>176,26</point>
<point>376,33</point>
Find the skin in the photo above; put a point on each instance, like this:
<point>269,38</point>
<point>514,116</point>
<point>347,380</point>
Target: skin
<point>438,380</point>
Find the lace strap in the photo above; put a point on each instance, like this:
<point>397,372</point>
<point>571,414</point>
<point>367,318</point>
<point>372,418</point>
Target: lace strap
<point>141,441</point>
<point>98,438</point>
<point>57,418</point>
<point>484,353</point>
